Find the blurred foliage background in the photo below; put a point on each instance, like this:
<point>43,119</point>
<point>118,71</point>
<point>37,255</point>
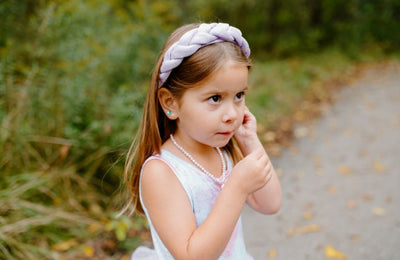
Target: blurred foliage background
<point>73,78</point>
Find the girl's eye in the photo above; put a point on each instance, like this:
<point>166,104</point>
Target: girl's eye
<point>215,99</point>
<point>240,95</point>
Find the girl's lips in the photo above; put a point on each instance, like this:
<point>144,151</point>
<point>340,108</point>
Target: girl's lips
<point>225,133</point>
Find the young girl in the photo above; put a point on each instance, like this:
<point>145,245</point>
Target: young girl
<point>196,159</point>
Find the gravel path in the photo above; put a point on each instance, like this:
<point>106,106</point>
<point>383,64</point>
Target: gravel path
<point>340,181</point>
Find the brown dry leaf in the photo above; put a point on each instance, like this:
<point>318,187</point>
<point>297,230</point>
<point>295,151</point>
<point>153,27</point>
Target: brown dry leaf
<point>107,128</point>
<point>57,201</point>
<point>379,211</point>
<point>367,197</point>
<point>308,229</point>
<point>285,126</point>
<point>351,204</point>
<point>355,238</point>
<point>332,253</point>
<point>270,136</point>
<point>317,159</point>
<point>65,245</point>
<point>64,151</point>
<point>275,150</point>
<point>94,227</point>
<point>344,170</point>
<point>300,116</point>
<point>379,167</point>
<point>272,253</point>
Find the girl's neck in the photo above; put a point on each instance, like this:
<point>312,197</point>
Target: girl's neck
<point>219,178</point>
<point>194,147</point>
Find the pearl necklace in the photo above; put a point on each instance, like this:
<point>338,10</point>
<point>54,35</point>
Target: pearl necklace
<point>220,180</point>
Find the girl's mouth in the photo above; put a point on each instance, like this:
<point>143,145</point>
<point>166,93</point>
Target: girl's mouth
<point>225,133</point>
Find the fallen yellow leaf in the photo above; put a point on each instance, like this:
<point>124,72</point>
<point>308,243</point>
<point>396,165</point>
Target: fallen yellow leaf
<point>331,252</point>
<point>272,253</point>
<point>290,232</point>
<point>88,250</point>
<point>379,167</point>
<point>332,189</point>
<point>344,170</point>
<point>307,215</point>
<point>65,245</point>
<point>379,211</point>
<point>126,257</point>
<point>308,229</point>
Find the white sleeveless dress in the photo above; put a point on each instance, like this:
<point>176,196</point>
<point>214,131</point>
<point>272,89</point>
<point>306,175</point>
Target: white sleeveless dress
<point>202,192</point>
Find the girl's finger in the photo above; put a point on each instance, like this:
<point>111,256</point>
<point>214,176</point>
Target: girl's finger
<point>268,178</point>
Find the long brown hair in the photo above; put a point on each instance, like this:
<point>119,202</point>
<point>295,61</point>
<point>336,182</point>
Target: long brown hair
<point>155,127</point>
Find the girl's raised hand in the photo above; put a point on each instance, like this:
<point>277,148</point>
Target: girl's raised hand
<point>248,127</point>
<point>246,134</point>
<point>252,172</point>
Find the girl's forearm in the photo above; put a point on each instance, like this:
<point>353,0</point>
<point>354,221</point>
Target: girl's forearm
<point>210,239</point>
<point>267,200</point>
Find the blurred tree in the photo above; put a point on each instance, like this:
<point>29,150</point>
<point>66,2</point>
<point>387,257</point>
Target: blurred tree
<point>77,69</point>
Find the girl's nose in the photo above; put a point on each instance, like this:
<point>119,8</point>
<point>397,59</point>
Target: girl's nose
<point>230,113</point>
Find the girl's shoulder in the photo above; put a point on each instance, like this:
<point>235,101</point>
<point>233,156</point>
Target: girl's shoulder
<point>159,168</point>
<point>156,172</point>
<point>156,165</point>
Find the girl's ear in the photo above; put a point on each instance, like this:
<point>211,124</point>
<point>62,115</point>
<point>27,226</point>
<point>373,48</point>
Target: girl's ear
<point>168,103</point>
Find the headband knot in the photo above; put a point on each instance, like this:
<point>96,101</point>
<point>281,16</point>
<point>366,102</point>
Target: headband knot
<point>197,38</point>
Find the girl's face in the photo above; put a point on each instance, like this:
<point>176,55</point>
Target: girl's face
<point>210,114</point>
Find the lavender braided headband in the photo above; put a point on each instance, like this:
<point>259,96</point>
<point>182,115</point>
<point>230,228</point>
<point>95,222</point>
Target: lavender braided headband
<point>193,40</point>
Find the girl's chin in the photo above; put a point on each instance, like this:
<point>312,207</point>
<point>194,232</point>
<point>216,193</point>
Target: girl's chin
<point>223,142</point>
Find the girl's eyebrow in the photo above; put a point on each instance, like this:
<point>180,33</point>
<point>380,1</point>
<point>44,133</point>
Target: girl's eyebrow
<point>219,91</point>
